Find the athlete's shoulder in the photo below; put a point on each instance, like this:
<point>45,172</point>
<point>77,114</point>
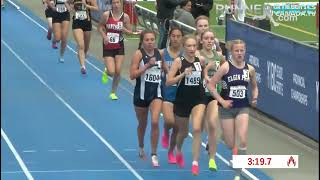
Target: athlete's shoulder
<point>251,68</point>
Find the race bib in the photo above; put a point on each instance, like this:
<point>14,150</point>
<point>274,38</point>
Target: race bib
<point>61,8</point>
<point>193,79</point>
<point>113,37</point>
<point>238,92</point>
<point>205,86</point>
<point>153,75</point>
<point>207,90</point>
<point>217,65</point>
<point>81,15</point>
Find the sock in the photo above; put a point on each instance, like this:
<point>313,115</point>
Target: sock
<point>241,151</point>
<point>195,163</point>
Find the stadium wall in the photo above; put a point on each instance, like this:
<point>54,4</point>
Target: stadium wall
<point>287,76</point>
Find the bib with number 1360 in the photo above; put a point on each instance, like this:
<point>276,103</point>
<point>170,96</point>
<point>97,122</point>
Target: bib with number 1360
<point>237,92</point>
<point>81,15</point>
<point>113,37</point>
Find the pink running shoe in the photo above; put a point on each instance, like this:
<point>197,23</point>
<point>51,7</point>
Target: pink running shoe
<point>171,158</point>
<point>49,35</point>
<point>195,170</point>
<point>54,45</point>
<point>180,159</point>
<point>165,140</point>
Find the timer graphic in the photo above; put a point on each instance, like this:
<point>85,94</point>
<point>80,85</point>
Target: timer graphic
<point>265,161</point>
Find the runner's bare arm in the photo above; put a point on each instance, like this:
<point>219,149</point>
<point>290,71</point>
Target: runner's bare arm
<point>102,25</point>
<point>254,85</point>
<point>135,71</point>
<point>172,78</point>
<point>93,5</point>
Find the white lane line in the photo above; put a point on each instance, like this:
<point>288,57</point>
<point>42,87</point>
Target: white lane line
<point>16,155</point>
<point>56,150</point>
<point>74,112</point>
<point>247,173</point>
<point>81,150</point>
<point>29,151</point>
<point>130,149</point>
<point>16,6</point>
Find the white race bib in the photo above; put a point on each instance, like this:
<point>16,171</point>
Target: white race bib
<point>237,92</point>
<point>61,8</point>
<point>153,75</point>
<point>81,15</point>
<point>193,79</point>
<point>217,65</point>
<point>113,37</point>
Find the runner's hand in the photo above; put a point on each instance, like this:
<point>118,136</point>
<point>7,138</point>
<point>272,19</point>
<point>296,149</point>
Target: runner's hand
<point>188,71</point>
<point>105,40</point>
<point>227,104</point>
<point>152,61</point>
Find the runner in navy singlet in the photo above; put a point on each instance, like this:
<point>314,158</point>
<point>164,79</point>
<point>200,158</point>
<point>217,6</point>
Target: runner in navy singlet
<point>146,68</point>
<point>235,76</point>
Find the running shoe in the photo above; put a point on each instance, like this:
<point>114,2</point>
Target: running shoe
<point>207,146</point>
<point>104,78</point>
<point>49,35</point>
<point>142,155</point>
<point>113,96</point>
<point>171,158</point>
<point>180,159</point>
<point>235,151</point>
<point>237,178</point>
<point>54,45</point>
<point>155,161</point>
<point>165,140</point>
<point>61,60</point>
<point>212,165</point>
<point>83,70</point>
<point>195,170</point>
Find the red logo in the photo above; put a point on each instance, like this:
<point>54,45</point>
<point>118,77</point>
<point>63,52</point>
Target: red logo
<point>291,160</point>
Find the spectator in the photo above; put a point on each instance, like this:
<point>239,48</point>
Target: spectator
<point>128,8</point>
<point>201,7</point>
<point>183,14</point>
<point>165,11</point>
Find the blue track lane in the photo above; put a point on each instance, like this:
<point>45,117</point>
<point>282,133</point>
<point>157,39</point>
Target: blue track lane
<point>49,125</point>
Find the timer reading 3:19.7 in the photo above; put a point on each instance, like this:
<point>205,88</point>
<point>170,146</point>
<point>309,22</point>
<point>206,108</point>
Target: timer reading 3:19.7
<point>265,161</point>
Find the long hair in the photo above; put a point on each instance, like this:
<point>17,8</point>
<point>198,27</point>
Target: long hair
<point>173,28</point>
<point>200,18</point>
<point>201,36</point>
<point>229,44</point>
<point>186,37</point>
<point>143,33</point>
